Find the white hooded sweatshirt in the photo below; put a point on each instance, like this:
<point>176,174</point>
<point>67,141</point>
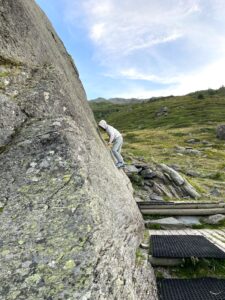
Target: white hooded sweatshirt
<point>112,132</point>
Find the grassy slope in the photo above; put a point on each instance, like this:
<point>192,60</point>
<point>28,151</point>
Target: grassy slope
<point>154,137</point>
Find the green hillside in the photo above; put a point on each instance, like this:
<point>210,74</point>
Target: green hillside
<point>161,130</point>
<point>198,108</point>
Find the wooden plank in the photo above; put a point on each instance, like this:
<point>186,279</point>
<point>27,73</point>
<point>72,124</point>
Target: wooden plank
<point>144,205</point>
<point>221,234</point>
<point>212,239</point>
<point>183,212</point>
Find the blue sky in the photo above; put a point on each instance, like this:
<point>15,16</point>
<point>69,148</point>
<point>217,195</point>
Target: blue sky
<point>142,48</point>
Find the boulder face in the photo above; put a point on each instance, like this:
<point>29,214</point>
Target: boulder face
<point>69,224</point>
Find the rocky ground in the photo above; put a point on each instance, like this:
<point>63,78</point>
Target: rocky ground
<point>159,182</point>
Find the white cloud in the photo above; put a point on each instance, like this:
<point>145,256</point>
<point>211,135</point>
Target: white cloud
<point>132,25</point>
<point>212,76</point>
<point>134,74</point>
<point>97,31</point>
<point>168,42</point>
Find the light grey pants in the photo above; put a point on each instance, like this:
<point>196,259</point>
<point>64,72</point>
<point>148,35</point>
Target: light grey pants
<point>116,149</point>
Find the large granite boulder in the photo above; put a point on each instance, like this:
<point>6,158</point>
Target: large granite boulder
<point>69,224</point>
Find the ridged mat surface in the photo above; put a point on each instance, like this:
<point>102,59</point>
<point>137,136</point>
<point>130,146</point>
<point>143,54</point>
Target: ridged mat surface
<point>191,289</point>
<point>183,246</point>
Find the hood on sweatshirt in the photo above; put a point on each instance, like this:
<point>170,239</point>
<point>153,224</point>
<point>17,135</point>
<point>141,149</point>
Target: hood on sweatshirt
<point>103,124</point>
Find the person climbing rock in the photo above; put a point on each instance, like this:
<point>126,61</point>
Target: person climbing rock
<point>116,140</point>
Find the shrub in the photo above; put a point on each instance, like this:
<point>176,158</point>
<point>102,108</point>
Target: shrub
<point>200,96</point>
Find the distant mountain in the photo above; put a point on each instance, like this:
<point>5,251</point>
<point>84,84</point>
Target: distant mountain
<point>199,94</point>
<point>119,100</point>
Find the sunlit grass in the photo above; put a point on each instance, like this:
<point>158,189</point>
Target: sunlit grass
<point>159,144</point>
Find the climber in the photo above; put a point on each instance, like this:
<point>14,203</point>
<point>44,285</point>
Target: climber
<point>116,140</point>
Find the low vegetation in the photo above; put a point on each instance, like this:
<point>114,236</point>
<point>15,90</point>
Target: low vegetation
<point>194,268</point>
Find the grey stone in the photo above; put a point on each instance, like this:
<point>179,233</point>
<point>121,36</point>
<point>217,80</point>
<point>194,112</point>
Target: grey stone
<point>190,190</point>
<point>166,223</point>
<point>192,151</point>
<point>214,220</point>
<point>215,192</point>
<point>189,220</point>
<point>141,166</point>
<point>220,132</point>
<point>147,188</point>
<point>163,111</point>
<point>192,173</point>
<point>206,142</point>
<point>148,174</point>
<point>180,154</point>
<point>174,191</point>
<point>179,148</point>
<point>165,191</point>
<point>188,150</point>
<point>176,177</point>
<point>131,169</point>
<point>193,141</point>
<point>78,210</point>
<point>156,197</point>
<point>168,177</point>
<point>149,183</point>
<point>157,189</point>
<point>160,175</point>
<point>144,246</point>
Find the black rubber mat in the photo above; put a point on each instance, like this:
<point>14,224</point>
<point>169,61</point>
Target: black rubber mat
<point>191,289</point>
<point>183,246</point>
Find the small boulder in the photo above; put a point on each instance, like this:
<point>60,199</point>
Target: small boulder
<point>163,111</point>
<point>192,151</point>
<point>214,220</point>
<point>192,173</point>
<point>220,132</point>
<point>141,166</point>
<point>131,169</point>
<point>190,190</point>
<point>176,177</point>
<point>165,223</point>
<point>187,150</point>
<point>204,142</point>
<point>189,220</point>
<point>179,149</point>
<point>215,192</point>
<point>148,183</point>
<point>148,174</point>
<point>155,197</point>
<point>192,141</point>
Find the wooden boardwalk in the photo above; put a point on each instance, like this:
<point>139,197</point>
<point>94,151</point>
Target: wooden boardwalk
<point>217,237</point>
